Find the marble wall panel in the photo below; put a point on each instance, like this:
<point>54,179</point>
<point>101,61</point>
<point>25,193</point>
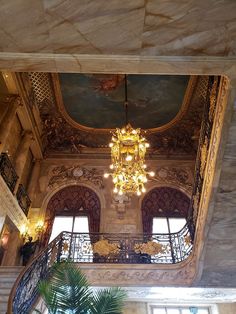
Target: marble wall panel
<point>220,254</point>
<point>135,308</point>
<point>227,308</point>
<point>27,169</point>
<point>14,139</point>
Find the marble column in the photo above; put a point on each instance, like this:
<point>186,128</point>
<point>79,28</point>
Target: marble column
<point>34,179</point>
<point>6,124</point>
<point>22,153</point>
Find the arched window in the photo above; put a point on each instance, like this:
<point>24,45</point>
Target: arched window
<point>73,208</point>
<point>164,210</point>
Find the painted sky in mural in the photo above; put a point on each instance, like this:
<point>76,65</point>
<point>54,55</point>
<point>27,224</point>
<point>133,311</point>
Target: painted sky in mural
<point>97,101</point>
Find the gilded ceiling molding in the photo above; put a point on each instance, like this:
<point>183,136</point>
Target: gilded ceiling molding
<point>184,107</point>
<point>60,137</point>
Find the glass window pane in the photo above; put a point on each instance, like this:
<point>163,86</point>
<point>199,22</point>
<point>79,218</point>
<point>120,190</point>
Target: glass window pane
<point>160,225</point>
<point>203,311</point>
<point>61,224</point>
<point>159,311</point>
<point>186,311</point>
<point>173,311</point>
<point>176,224</point>
<point>81,224</point>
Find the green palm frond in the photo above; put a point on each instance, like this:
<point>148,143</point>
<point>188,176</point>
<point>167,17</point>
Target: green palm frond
<point>67,291</point>
<point>108,301</point>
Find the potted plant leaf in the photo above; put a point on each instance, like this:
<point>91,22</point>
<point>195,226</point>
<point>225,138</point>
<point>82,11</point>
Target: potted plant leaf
<point>67,291</point>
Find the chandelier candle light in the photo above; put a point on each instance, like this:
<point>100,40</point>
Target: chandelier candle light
<point>128,149</point>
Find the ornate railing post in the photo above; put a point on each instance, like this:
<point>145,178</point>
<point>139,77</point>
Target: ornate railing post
<point>23,199</point>
<point>59,250</point>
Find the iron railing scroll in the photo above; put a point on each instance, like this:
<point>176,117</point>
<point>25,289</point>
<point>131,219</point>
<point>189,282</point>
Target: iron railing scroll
<point>23,199</point>
<point>8,172</point>
<point>84,248</point>
<point>211,97</point>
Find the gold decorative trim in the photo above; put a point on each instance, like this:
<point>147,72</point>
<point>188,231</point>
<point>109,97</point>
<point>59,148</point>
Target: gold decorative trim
<point>105,248</point>
<point>59,102</point>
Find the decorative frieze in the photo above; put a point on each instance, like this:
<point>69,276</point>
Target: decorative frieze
<point>180,177</point>
<point>75,173</point>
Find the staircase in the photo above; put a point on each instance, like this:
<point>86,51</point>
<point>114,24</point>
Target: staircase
<point>8,275</point>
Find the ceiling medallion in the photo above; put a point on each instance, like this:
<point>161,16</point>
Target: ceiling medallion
<point>128,149</point>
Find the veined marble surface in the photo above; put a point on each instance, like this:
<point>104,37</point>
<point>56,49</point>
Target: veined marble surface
<point>137,27</point>
<point>181,295</point>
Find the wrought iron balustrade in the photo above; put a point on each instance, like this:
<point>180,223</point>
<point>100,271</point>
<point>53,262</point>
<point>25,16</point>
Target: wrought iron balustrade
<point>8,172</point>
<point>23,199</point>
<point>130,248</point>
<point>83,248</point>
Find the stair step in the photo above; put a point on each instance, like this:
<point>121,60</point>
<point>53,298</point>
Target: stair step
<point>6,285</point>
<point>8,276</point>
<point>5,291</point>
<point>10,269</point>
<point>4,298</point>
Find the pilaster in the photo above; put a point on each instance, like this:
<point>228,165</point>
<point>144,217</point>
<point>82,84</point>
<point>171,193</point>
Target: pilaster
<point>6,124</point>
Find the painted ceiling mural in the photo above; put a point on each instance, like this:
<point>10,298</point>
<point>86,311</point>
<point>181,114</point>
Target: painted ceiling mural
<point>62,134</point>
<point>97,101</point>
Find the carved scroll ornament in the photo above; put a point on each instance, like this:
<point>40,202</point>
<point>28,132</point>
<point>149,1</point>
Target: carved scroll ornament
<point>75,173</point>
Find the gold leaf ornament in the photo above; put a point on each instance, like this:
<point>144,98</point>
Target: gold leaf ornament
<point>105,248</point>
<point>150,248</point>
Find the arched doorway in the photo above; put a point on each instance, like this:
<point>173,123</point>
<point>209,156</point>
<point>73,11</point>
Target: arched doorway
<point>73,201</point>
<point>165,203</point>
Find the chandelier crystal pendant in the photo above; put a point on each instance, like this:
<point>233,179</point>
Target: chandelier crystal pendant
<point>128,149</point>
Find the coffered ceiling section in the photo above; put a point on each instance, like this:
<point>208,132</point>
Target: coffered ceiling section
<point>79,111</point>
<point>150,27</point>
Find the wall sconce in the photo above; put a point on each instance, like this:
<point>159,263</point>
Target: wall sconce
<point>39,227</point>
<point>24,231</point>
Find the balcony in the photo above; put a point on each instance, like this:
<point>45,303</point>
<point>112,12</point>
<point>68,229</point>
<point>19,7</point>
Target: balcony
<point>125,248</point>
<point>10,177</point>
<point>100,254</point>
<point>8,172</point>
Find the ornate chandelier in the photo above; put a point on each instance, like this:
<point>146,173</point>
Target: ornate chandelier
<point>128,149</point>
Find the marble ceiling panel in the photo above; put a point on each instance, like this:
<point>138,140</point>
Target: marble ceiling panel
<point>23,27</point>
<point>95,26</point>
<point>135,27</point>
<point>190,28</point>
